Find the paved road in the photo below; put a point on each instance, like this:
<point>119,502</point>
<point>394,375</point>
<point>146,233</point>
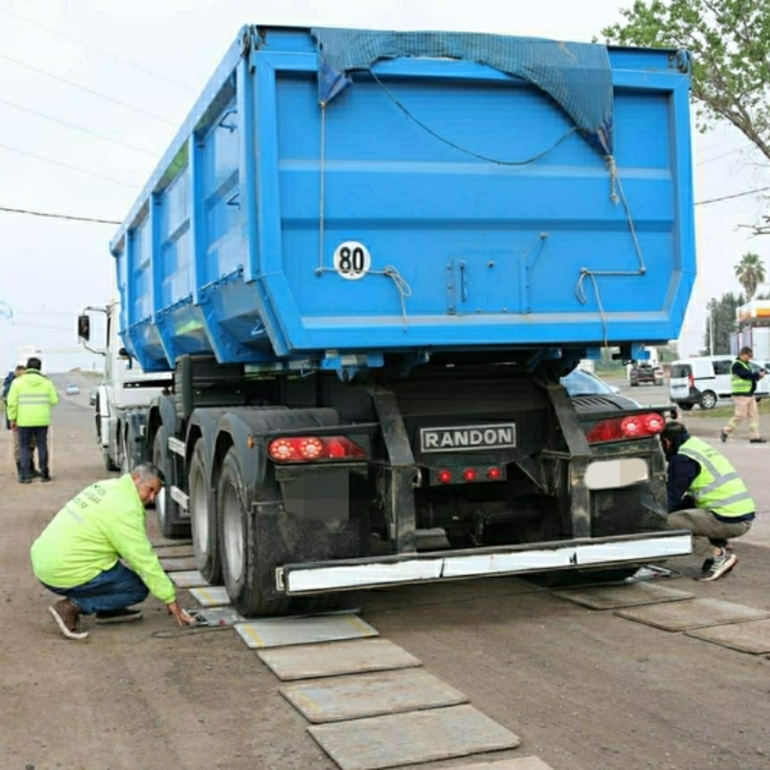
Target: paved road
<point>584,689</point>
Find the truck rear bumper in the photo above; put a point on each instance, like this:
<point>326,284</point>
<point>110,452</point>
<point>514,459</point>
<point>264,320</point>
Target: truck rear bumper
<point>349,574</point>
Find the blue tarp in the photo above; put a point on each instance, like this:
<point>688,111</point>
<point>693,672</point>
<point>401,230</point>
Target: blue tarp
<point>576,75</point>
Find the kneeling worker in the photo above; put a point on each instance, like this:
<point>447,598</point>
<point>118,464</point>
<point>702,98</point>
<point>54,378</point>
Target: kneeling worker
<point>706,496</point>
<point>78,554</point>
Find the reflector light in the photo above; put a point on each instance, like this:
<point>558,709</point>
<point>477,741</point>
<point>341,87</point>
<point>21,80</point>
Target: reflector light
<point>626,428</point>
<point>494,473</point>
<point>444,476</point>
<point>469,474</point>
<point>312,448</point>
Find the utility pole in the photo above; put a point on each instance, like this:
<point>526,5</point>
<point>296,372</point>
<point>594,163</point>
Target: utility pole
<point>711,331</point>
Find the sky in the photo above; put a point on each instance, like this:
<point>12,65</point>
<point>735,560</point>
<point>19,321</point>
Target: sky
<point>92,92</point>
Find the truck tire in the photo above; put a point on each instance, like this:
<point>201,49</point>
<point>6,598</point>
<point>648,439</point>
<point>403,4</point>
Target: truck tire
<point>167,508</point>
<point>244,577</point>
<point>203,522</point>
<point>123,451</point>
<point>109,463</point>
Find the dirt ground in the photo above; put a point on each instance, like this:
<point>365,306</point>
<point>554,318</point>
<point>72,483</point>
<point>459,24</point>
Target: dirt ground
<point>585,690</point>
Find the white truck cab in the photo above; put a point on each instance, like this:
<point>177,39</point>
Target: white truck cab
<point>124,396</point>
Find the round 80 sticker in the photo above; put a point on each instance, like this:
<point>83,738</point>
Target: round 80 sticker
<point>352,260</point>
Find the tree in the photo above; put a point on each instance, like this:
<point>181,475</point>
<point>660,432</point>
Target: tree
<point>729,41</point>
<point>721,323</point>
<point>750,273</point>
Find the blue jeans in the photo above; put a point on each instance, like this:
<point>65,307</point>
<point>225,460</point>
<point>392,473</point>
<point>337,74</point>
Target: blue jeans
<point>26,445</point>
<point>112,589</point>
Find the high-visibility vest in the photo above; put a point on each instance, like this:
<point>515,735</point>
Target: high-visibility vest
<point>741,387</point>
<point>717,487</point>
<point>30,400</point>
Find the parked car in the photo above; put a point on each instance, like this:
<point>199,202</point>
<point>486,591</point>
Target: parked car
<point>643,373</point>
<point>582,383</point>
<point>73,389</point>
<point>707,380</point>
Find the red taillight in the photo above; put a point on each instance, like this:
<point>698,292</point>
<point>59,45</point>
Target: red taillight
<point>311,448</point>
<point>469,474</point>
<point>445,477</point>
<point>691,380</point>
<point>494,474</point>
<point>624,428</point>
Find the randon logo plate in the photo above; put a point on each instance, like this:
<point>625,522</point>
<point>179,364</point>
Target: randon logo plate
<point>468,437</point>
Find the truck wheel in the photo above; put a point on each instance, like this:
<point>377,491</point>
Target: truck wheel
<point>125,459</point>
<point>109,464</point>
<point>708,400</point>
<point>203,517</point>
<point>238,538</point>
<point>167,508</point>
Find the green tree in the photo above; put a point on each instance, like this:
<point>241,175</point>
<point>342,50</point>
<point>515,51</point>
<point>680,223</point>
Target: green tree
<point>729,41</point>
<point>750,272</point>
<point>721,322</point>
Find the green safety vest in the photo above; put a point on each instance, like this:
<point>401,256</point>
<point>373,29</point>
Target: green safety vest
<point>741,387</point>
<point>30,400</point>
<point>717,487</point>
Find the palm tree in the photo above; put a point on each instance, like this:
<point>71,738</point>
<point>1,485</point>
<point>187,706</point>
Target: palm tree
<point>750,273</point>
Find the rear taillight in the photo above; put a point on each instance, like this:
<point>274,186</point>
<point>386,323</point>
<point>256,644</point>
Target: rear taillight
<point>303,449</point>
<point>691,381</point>
<point>626,428</point>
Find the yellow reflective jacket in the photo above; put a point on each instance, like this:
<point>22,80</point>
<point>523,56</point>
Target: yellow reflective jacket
<point>106,521</point>
<point>718,486</point>
<point>30,400</point>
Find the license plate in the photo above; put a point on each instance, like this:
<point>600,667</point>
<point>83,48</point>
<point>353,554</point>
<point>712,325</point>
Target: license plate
<point>468,438</point>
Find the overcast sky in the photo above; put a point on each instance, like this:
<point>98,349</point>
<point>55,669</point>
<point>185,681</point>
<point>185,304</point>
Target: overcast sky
<point>67,149</point>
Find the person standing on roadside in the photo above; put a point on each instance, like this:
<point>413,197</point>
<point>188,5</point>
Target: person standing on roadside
<point>9,378</point>
<point>743,384</point>
<point>706,496</point>
<point>78,555</point>
<point>30,399</point>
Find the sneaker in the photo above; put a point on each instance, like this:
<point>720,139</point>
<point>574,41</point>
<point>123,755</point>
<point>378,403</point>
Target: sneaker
<point>25,481</point>
<point>123,615</point>
<point>705,568</point>
<point>66,614</point>
<point>45,478</point>
<point>757,441</point>
<point>721,566</point>
<point>36,474</point>
<point>723,435</point>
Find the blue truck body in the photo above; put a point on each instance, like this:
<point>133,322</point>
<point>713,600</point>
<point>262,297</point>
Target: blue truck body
<point>433,204</point>
<point>371,261</point>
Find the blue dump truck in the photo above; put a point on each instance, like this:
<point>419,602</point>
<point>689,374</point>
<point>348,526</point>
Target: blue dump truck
<point>371,261</point>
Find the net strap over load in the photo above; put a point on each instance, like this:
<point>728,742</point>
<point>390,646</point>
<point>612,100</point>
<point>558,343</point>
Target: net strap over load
<point>577,76</point>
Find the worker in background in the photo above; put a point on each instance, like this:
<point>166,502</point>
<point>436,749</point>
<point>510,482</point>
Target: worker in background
<point>9,378</point>
<point>743,384</point>
<point>78,555</point>
<point>30,399</point>
<point>706,496</point>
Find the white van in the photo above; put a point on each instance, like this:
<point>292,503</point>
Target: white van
<point>707,380</point>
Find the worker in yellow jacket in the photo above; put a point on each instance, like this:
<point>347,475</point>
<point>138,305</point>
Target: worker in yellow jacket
<point>78,555</point>
<point>29,411</point>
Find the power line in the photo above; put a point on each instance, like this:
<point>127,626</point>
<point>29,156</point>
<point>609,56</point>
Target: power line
<point>98,49</point>
<point>723,155</point>
<point>76,127</point>
<point>59,216</point>
<point>67,165</point>
<point>734,195</point>
<point>85,88</point>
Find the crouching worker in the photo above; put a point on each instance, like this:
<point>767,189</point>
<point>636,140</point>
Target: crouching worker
<point>706,496</point>
<point>78,554</point>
